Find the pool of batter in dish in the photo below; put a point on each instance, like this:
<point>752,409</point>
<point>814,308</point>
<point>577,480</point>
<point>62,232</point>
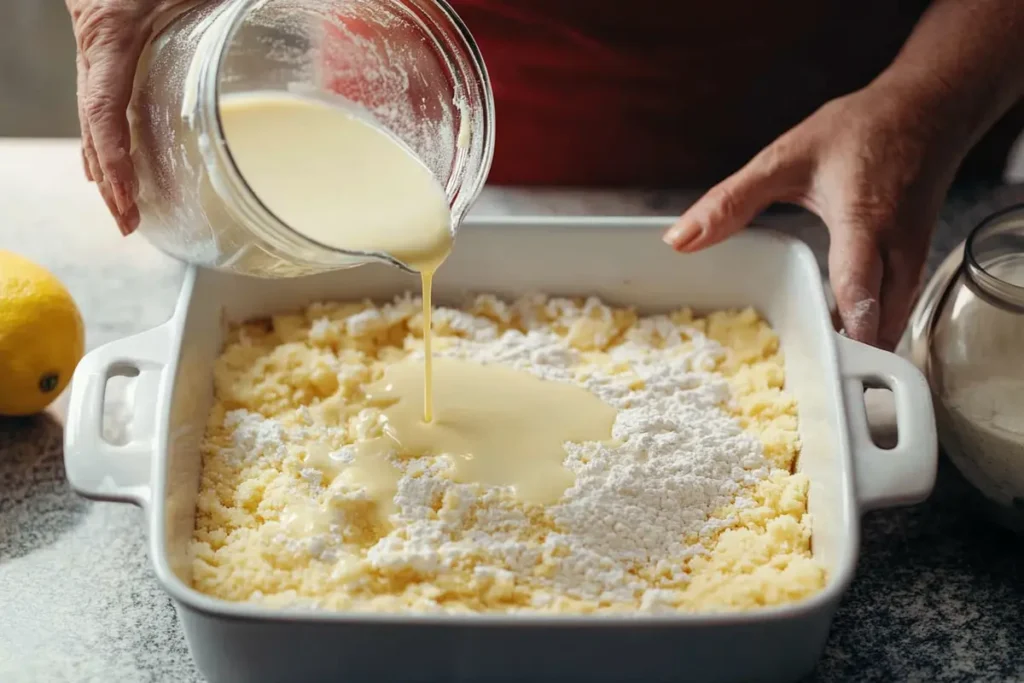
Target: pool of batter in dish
<point>689,501</point>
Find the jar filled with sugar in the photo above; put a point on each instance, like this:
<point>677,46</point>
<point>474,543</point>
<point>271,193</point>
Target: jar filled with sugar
<point>278,138</point>
<point>967,334</point>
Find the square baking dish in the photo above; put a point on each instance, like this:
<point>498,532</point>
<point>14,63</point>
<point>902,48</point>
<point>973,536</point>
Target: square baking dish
<point>621,260</point>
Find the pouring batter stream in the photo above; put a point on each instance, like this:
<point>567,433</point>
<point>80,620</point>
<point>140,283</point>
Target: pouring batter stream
<point>344,182</point>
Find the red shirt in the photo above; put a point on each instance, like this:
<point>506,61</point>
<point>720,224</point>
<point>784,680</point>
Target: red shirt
<point>671,93</point>
<point>663,93</point>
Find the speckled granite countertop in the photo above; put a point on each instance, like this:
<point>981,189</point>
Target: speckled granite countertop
<point>938,594</point>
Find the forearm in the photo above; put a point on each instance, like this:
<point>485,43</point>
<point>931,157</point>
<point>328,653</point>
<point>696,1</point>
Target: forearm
<point>965,62</point>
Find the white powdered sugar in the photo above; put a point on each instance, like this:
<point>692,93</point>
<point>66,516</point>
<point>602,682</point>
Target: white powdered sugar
<point>255,437</point>
<point>648,501</point>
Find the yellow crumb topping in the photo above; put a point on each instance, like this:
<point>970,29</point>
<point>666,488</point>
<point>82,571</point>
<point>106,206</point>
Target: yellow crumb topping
<point>272,529</point>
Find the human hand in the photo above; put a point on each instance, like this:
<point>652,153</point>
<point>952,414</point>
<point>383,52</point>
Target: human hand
<point>111,35</point>
<point>875,166</point>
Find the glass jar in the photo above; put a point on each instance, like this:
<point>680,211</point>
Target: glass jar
<point>969,334</point>
<point>410,63</point>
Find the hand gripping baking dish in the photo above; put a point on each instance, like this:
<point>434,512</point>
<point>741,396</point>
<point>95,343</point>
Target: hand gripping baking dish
<point>621,260</point>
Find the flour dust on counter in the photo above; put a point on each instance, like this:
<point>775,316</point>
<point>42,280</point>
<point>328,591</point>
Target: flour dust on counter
<point>690,502</point>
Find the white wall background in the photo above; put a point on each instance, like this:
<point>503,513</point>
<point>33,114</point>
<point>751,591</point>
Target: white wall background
<point>37,70</point>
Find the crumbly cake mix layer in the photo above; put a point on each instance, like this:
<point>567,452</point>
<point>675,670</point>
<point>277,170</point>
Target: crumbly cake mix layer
<point>693,506</point>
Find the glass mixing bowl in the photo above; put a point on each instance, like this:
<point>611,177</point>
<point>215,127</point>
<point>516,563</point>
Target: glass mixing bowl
<point>411,64</point>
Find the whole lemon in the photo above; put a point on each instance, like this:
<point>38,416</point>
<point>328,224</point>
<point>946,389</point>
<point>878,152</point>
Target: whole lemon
<point>42,336</point>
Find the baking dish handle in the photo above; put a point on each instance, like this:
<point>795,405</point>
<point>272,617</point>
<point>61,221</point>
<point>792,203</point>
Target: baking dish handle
<point>904,474</point>
<point>95,467</point>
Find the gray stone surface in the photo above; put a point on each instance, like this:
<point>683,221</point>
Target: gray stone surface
<point>937,596</point>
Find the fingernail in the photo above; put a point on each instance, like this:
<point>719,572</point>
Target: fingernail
<point>861,321</point>
<point>679,237</point>
<point>130,221</point>
<point>122,197</point>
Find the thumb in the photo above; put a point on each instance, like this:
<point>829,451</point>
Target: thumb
<point>777,174</point>
<point>855,271</point>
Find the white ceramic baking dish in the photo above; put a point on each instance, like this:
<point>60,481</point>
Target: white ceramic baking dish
<point>619,259</point>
